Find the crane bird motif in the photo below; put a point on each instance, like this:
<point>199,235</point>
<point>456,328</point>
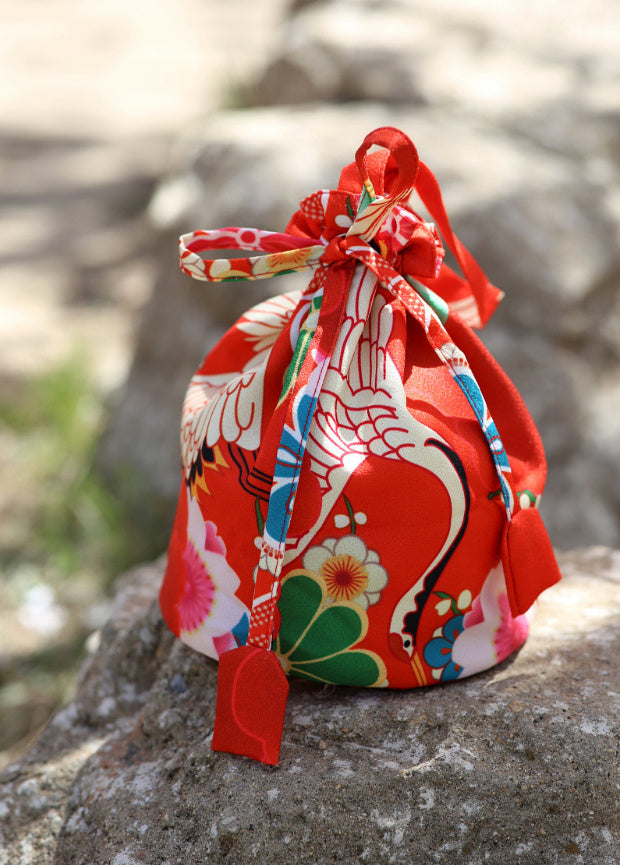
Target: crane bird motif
<point>362,411</point>
<point>228,406</point>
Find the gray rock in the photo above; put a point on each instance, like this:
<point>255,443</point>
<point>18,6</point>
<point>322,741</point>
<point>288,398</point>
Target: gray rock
<point>519,764</point>
<point>331,52</point>
<point>508,65</point>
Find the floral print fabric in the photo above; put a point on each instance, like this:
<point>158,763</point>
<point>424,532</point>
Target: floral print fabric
<point>352,455</point>
<point>316,635</point>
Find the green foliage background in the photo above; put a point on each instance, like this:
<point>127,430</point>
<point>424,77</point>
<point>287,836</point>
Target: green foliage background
<point>64,529</point>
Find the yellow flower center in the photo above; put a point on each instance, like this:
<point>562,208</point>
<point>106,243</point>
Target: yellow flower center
<point>345,577</point>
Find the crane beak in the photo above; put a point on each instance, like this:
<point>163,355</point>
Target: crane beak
<point>418,669</point>
<point>396,646</point>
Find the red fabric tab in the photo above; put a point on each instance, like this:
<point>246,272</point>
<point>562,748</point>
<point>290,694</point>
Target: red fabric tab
<point>528,559</point>
<point>251,702</point>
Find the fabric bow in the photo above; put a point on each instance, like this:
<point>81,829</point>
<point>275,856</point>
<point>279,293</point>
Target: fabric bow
<point>366,218</point>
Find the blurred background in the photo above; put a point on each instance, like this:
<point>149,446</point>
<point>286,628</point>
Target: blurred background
<point>122,125</point>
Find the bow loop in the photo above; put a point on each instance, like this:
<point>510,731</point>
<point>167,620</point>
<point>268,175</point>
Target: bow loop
<point>393,171</point>
<point>368,211</point>
<point>368,191</point>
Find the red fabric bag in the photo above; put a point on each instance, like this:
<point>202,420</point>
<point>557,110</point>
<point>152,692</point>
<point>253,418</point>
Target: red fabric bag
<point>360,477</point>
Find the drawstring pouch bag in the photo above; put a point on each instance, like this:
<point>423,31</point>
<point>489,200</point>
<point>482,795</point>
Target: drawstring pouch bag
<point>360,477</point>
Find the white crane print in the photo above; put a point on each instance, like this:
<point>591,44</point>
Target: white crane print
<point>362,411</point>
<point>229,405</point>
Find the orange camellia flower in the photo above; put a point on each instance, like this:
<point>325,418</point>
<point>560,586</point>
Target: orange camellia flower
<point>350,570</point>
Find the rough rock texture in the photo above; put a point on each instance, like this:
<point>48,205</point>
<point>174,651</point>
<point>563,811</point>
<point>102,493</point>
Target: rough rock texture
<point>503,62</point>
<point>92,96</point>
<point>518,765</point>
<point>85,135</point>
<point>517,110</point>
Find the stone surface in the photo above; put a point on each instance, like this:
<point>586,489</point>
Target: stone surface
<point>124,71</point>
<point>519,764</point>
<point>501,62</point>
<point>92,95</point>
<point>331,52</point>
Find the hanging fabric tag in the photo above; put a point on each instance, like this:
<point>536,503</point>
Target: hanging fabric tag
<point>528,559</point>
<point>251,702</point>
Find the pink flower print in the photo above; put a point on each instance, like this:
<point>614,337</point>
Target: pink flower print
<point>209,611</point>
<point>510,633</point>
<point>197,602</point>
<point>475,616</point>
<point>490,633</point>
<point>213,542</point>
